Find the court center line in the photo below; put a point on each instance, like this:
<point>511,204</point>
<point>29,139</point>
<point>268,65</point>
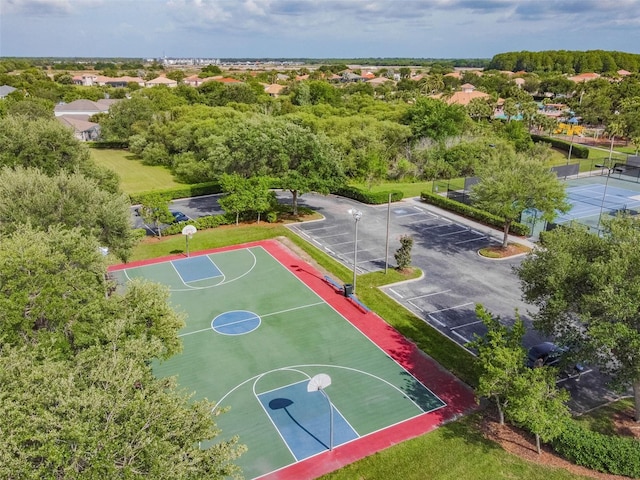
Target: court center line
<point>452,308</point>
<point>261,316</point>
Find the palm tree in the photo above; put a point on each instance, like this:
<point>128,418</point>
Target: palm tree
<point>615,128</point>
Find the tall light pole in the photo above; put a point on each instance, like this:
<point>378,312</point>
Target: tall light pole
<point>357,215</point>
<point>610,170</point>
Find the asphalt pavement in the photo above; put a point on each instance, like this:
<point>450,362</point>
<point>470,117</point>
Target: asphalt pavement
<point>455,279</point>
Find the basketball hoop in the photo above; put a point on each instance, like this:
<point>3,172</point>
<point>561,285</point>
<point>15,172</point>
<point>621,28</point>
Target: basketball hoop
<point>188,232</point>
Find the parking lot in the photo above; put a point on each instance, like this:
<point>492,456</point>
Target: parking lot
<point>455,277</point>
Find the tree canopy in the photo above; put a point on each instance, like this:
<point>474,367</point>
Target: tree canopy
<point>586,290</point>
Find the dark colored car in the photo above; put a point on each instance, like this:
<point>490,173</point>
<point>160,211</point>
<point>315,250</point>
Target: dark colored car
<point>179,217</point>
<point>545,354</point>
<point>548,354</point>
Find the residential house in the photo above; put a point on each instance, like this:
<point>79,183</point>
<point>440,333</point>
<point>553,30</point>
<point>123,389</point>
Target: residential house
<point>162,80</point>
<point>584,77</point>
<point>76,115</point>
<point>274,89</point>
<point>6,90</point>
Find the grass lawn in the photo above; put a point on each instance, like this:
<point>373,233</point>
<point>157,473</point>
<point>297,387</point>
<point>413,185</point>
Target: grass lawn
<point>134,176</point>
<point>454,451</point>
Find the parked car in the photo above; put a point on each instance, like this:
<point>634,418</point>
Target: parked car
<point>548,354</point>
<point>179,217</point>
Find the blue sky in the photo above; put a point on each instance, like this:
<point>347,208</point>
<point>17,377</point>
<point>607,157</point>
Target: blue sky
<point>314,28</point>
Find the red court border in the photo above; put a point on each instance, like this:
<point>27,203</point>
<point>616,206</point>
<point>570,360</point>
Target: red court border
<point>459,398</point>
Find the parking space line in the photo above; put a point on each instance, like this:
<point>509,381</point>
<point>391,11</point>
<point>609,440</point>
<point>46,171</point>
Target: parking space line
<point>414,305</point>
<point>435,226</point>
<point>453,233</point>
<point>408,214</point>
<point>466,340</point>
<point>435,320</point>
<point>451,308</point>
<point>323,227</point>
<point>342,243</point>
<point>470,240</point>
<point>316,241</point>
<point>329,236</point>
<point>430,294</point>
<point>329,250</point>
<point>466,324</point>
<point>419,221</point>
<point>395,293</point>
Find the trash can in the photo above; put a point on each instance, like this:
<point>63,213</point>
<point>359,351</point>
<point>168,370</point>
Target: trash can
<point>348,289</point>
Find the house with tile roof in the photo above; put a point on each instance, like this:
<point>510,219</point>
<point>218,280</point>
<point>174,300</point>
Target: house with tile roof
<point>85,108</point>
<point>162,80</point>
<point>274,89</point>
<point>83,130</point>
<point>584,77</point>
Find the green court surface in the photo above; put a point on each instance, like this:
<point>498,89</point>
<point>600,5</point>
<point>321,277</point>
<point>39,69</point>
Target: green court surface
<point>255,335</point>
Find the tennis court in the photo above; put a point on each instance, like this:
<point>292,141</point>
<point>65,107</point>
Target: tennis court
<point>262,325</point>
<point>604,195</point>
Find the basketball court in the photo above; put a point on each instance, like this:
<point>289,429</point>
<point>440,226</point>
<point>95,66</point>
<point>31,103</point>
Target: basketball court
<point>312,381</point>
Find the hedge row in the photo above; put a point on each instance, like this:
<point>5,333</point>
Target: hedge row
<point>604,453</point>
<point>114,144</point>
<point>183,191</point>
<point>372,198</point>
<point>577,151</point>
<point>472,212</point>
<point>201,223</point>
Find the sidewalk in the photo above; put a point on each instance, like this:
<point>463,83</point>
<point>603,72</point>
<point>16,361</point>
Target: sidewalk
<point>492,232</point>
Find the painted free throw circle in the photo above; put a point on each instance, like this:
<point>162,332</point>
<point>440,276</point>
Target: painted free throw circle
<point>235,322</point>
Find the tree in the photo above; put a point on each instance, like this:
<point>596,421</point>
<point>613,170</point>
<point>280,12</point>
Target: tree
<point>479,108</point>
<point>155,210</point>
<point>28,196</point>
<point>586,290</point>
<point>78,392</point>
<point>430,118</point>
<point>238,195</point>
<point>536,403</point>
<point>501,358</point>
<point>127,118</point>
<point>512,183</point>
<point>403,254</point>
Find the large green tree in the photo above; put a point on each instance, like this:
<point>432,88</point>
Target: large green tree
<point>501,358</point>
<point>512,183</point>
<point>48,145</point>
<point>28,196</point>
<point>434,119</point>
<point>77,389</point>
<point>587,290</point>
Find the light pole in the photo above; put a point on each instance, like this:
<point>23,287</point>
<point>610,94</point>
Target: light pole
<point>610,170</point>
<point>357,215</point>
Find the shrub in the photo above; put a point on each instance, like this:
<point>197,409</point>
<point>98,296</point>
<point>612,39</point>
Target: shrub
<point>372,198</point>
<point>403,254</point>
<point>472,212</point>
<point>604,453</point>
<point>577,151</point>
<point>272,217</point>
<point>111,144</point>
<point>201,223</point>
<point>185,191</point>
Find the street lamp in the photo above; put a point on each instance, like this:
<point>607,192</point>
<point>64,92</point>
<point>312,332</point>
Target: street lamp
<point>357,215</point>
<point>610,170</point>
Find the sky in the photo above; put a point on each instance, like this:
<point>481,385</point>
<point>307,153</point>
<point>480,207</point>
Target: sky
<point>313,28</point>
